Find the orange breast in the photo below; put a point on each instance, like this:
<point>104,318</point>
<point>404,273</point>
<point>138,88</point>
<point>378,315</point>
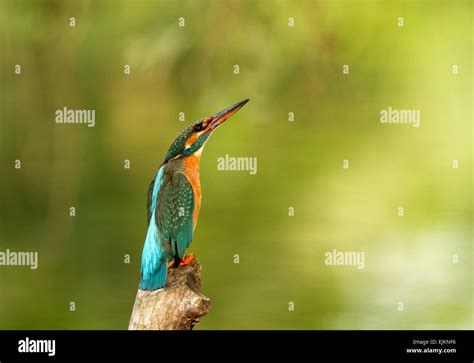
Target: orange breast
<point>191,169</point>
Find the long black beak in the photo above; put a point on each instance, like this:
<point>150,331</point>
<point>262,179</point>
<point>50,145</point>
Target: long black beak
<point>220,117</point>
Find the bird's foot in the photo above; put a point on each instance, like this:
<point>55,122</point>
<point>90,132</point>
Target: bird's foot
<point>187,259</point>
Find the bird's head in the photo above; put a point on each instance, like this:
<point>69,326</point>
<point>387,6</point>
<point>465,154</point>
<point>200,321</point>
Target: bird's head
<point>193,138</point>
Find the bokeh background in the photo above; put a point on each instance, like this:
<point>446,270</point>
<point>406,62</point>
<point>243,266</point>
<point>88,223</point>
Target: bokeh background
<point>283,69</point>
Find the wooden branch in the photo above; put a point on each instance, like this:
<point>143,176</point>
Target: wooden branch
<point>178,306</point>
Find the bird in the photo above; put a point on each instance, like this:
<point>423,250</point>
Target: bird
<point>174,200</point>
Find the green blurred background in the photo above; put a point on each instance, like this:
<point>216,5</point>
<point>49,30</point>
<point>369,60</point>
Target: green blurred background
<point>283,69</point>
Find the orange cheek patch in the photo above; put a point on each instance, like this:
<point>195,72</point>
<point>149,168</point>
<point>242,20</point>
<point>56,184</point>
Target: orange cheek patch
<point>192,139</point>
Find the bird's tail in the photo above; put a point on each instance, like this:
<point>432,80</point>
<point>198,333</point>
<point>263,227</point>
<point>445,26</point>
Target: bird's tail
<point>154,261</point>
<point>154,279</point>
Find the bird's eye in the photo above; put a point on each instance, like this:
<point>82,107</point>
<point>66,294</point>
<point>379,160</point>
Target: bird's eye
<point>198,127</point>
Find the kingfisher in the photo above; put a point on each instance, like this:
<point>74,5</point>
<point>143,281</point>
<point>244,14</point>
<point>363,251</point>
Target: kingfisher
<point>174,200</point>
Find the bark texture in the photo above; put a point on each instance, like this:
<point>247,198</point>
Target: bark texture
<point>178,306</point>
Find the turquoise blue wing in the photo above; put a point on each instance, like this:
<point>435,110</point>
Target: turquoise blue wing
<point>153,191</point>
<point>174,214</point>
<point>154,256</point>
<point>149,203</point>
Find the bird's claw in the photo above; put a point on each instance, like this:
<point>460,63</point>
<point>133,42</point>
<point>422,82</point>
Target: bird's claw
<point>187,259</point>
